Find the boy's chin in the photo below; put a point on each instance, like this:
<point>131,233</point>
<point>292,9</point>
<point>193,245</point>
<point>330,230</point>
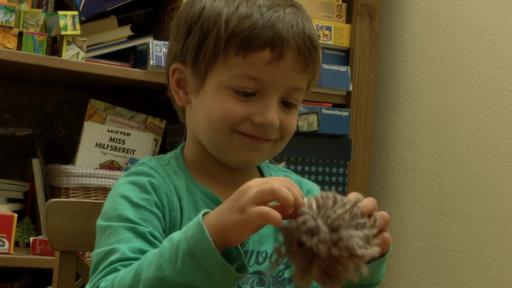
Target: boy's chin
<point>245,162</point>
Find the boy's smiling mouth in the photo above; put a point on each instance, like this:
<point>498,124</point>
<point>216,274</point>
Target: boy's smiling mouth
<point>256,137</point>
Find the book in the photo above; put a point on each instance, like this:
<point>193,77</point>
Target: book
<point>40,187</point>
<point>111,135</point>
<point>15,185</point>
<point>100,25</point>
<point>108,62</point>
<point>109,35</point>
<point>118,46</point>
<point>90,8</point>
<point>11,207</point>
<point>157,55</point>
<point>12,194</point>
<point>108,147</point>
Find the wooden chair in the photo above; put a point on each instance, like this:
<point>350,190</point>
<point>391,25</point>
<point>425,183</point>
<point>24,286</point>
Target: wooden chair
<point>71,227</point>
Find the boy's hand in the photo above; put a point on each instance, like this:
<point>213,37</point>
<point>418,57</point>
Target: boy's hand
<point>255,204</point>
<point>370,207</point>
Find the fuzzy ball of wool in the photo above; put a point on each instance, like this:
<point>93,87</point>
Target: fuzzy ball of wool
<point>329,242</point>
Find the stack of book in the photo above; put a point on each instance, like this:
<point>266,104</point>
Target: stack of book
<point>110,43</point>
<point>12,195</point>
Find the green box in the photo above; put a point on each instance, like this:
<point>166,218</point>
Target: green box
<point>63,23</point>
<point>34,42</point>
<point>32,20</point>
<point>74,48</point>
<point>7,16</point>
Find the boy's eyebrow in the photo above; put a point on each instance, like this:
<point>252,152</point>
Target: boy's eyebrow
<point>256,79</point>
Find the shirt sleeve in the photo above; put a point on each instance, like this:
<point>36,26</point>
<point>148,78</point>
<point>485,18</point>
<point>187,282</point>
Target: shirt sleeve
<point>134,249</point>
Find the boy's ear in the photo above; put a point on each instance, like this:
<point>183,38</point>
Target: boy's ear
<point>179,84</point>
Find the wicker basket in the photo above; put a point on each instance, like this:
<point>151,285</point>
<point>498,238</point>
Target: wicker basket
<point>68,181</point>
<point>90,193</point>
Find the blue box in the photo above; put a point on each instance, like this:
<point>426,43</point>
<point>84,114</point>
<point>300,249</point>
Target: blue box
<point>331,120</point>
<point>335,70</point>
<point>335,56</point>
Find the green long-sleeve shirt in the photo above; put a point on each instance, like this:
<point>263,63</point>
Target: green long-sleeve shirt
<point>150,234</point>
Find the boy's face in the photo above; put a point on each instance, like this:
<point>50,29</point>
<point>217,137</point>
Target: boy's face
<point>246,111</point>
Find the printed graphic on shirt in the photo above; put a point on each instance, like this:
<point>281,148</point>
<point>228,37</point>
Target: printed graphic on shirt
<point>263,273</point>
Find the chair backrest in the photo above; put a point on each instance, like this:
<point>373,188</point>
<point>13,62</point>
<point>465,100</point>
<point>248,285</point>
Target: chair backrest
<point>71,227</point>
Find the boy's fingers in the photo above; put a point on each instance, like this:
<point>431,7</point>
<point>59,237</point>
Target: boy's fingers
<point>354,197</point>
<point>271,193</point>
<point>384,241</point>
<point>265,215</point>
<point>383,220</point>
<point>368,206</point>
<point>296,192</point>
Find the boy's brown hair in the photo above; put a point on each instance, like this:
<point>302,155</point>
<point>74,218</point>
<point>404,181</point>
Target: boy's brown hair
<point>203,31</point>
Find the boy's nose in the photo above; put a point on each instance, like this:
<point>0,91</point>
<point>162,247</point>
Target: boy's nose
<point>267,115</point>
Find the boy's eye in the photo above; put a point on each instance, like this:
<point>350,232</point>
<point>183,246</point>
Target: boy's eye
<point>289,104</point>
<point>244,93</point>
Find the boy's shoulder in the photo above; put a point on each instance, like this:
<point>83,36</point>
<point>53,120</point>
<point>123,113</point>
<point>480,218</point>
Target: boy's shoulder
<point>271,169</point>
<point>159,166</point>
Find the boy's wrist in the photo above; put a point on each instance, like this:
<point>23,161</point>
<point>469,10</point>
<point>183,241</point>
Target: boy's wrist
<point>211,228</point>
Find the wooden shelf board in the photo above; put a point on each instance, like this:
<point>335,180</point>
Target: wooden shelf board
<point>30,62</point>
<point>23,258</point>
<point>317,94</point>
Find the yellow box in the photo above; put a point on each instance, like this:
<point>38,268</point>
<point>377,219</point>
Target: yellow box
<point>327,10</point>
<point>332,33</point>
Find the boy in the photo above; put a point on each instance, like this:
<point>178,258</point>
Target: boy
<point>198,216</point>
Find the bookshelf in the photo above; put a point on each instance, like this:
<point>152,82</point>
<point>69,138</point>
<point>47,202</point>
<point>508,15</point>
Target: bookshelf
<point>17,62</point>
<point>22,258</point>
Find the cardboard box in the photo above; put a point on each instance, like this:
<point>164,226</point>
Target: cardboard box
<point>32,20</point>
<point>7,16</point>
<point>34,42</point>
<point>63,23</point>
<point>73,48</point>
<point>334,71</point>
<point>328,10</point>
<point>7,232</point>
<point>330,120</point>
<point>332,33</point>
<point>8,38</point>
<point>40,246</point>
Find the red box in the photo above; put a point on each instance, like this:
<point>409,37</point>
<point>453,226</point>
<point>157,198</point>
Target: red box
<point>40,246</point>
<point>7,232</point>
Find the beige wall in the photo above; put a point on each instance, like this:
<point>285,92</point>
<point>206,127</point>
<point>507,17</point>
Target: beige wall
<point>442,142</point>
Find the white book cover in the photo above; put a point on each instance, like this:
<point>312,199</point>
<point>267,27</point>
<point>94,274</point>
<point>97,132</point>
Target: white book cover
<point>108,147</point>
